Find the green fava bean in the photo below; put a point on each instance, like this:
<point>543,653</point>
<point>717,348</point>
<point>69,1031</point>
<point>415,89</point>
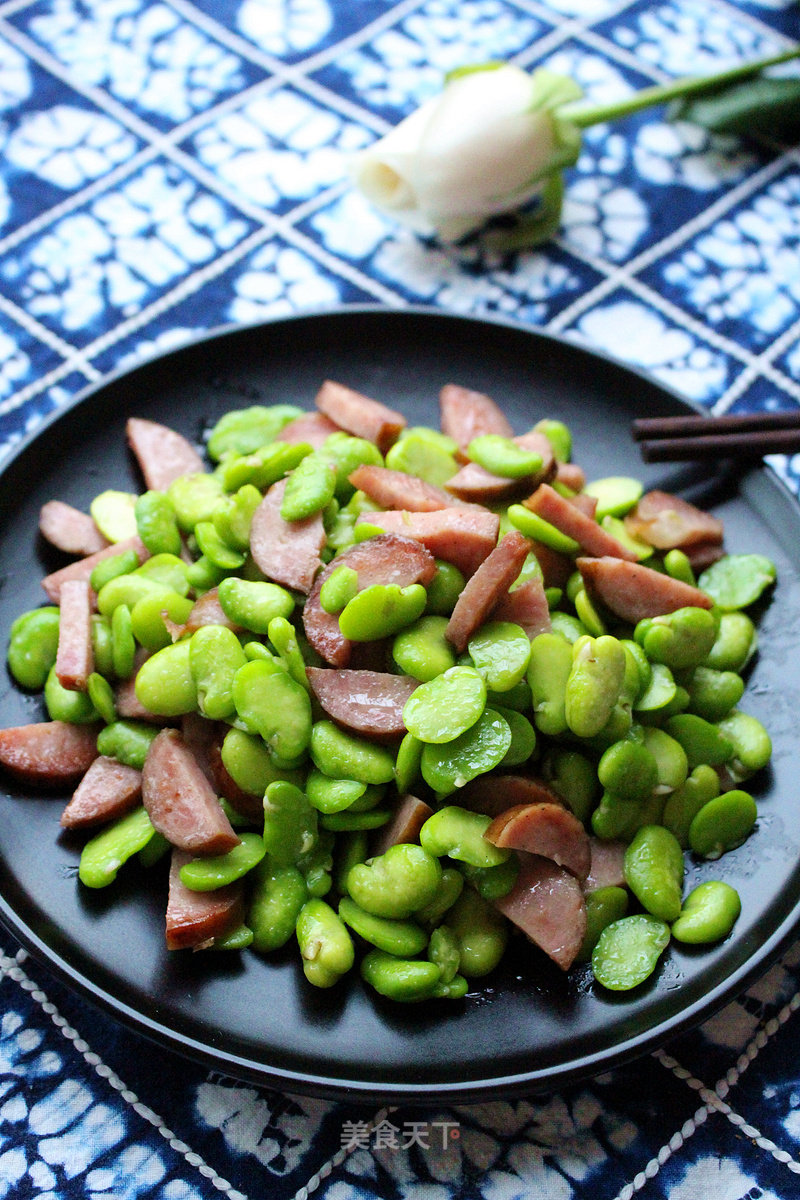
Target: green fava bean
<point>517,698</point>
<point>615,495</point>
<point>325,945</point>
<point>244,430</point>
<point>702,741</point>
<point>628,950</point>
<point>401,938</point>
<point>548,671</point>
<point>533,526</point>
<point>482,934</point>
<point>603,906</point>
<point>629,770</point>
<point>215,655</point>
<point>709,913</point>
<point>523,737</point>
<point>202,575</point>
<point>349,849</point>
<point>737,580</point>
<point>263,467</point>
<point>502,456</point>
<point>660,691</point>
<point>449,889</point>
<point>101,694</point>
<point>654,868</point>
<point>127,589</point>
<point>253,604</point>
<point>338,589</point>
<point>381,610</point>
<point>218,870</point>
<point>102,857</point>
<point>126,741</point>
<point>238,938</point>
<point>397,883</point>
<point>569,627</point>
<point>33,646</point>
<point>234,515</point>
<point>735,644</point>
<point>588,615</point>
<point>619,530</point>
<point>419,454</point>
<point>678,639</point>
<point>63,704</point>
<point>271,704</point>
<point>164,682</point>
<point>723,824</point>
<point>422,650</point>
<point>594,684</point>
<point>194,498</point>
<point>109,568</point>
<point>444,589</point>
<point>574,777</point>
<point>671,760</point>
<point>712,694</point>
<point>492,883</point>
<point>407,766</point>
<point>309,488</point>
<point>332,795</point>
<point>217,551</point>
<point>275,903</point>
<point>344,755</point>
<point>147,617</point>
<point>284,638</point>
<point>400,979</point>
<point>113,514</point>
<point>290,824</point>
<point>346,453</point>
<point>559,437</point>
<point>752,745</point>
<point>686,801</point>
<point>167,570</point>
<point>481,748</point>
<point>123,643</point>
<point>249,763</point>
<point>678,566</point>
<point>157,524</point>
<point>443,709</point>
<point>443,949</point>
<point>501,652</point>
<point>458,833</point>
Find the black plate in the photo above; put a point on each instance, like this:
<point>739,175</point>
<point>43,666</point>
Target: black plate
<point>530,1027</point>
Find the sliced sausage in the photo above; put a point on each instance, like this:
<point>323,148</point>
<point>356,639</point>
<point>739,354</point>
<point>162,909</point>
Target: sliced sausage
<point>83,567</point>
<point>703,554</point>
<point>526,606</point>
<point>162,454</point>
<point>286,551</point>
<point>368,702</point>
<point>49,752</point>
<point>547,904</point>
<point>632,591</point>
<point>495,794</point>
<point>466,414</point>
<point>195,920</point>
<point>571,475</point>
<point>313,428</point>
<point>669,522</point>
<point>208,611</point>
<point>108,790</point>
<point>69,529</point>
<point>590,536</point>
<point>404,827</point>
<point>584,503</point>
<point>490,582</point>
<point>384,559</point>
<point>461,536</point>
<point>475,484</point>
<point>396,489</point>
<point>556,567</point>
<point>75,657</point>
<point>606,869</point>
<point>359,415</point>
<point>180,801</point>
<point>550,830</point>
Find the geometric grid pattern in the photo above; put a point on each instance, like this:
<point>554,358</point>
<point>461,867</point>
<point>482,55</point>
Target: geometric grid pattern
<point>168,167</point>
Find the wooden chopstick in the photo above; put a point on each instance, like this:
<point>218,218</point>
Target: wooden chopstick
<point>743,436</point>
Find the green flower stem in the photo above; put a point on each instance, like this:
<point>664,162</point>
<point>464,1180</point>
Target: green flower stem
<point>662,93</point>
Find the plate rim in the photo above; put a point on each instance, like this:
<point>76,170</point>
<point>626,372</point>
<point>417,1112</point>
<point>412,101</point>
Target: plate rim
<point>318,1083</point>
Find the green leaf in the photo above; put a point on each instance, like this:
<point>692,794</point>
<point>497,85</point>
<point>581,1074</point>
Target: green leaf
<point>767,106</point>
<point>472,69</point>
<point>534,228</point>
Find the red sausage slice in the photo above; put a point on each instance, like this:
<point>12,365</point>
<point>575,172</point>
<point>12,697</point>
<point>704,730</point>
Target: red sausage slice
<point>571,475</point>
<point>196,919</point>
<point>404,826</point>
<point>162,454</point>
<point>607,869</point>
<point>359,415</point>
<point>208,611</point>
<point>286,551</point>
<point>567,517</point>
<point>489,584</point>
<point>478,485</point>
<point>108,790</point>
<point>550,830</point>
<point>180,801</point>
<point>75,657</point>
<point>49,752</point>
<point>384,559</point>
<point>462,536</point>
<point>496,794</point>
<point>368,702</point>
<point>313,428</point>
<point>396,489</point>
<point>82,569</point>
<point>69,529</point>
<point>668,522</point>
<point>547,904</point>
<point>466,414</point>
<point>526,606</point>
<point>633,591</point>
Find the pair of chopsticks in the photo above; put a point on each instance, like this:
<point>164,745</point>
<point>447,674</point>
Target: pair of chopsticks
<point>745,436</point>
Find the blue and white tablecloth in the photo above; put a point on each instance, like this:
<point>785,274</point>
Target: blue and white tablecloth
<point>170,166</point>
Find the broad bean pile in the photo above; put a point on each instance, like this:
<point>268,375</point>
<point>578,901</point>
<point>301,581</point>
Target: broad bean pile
<point>520,717</point>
